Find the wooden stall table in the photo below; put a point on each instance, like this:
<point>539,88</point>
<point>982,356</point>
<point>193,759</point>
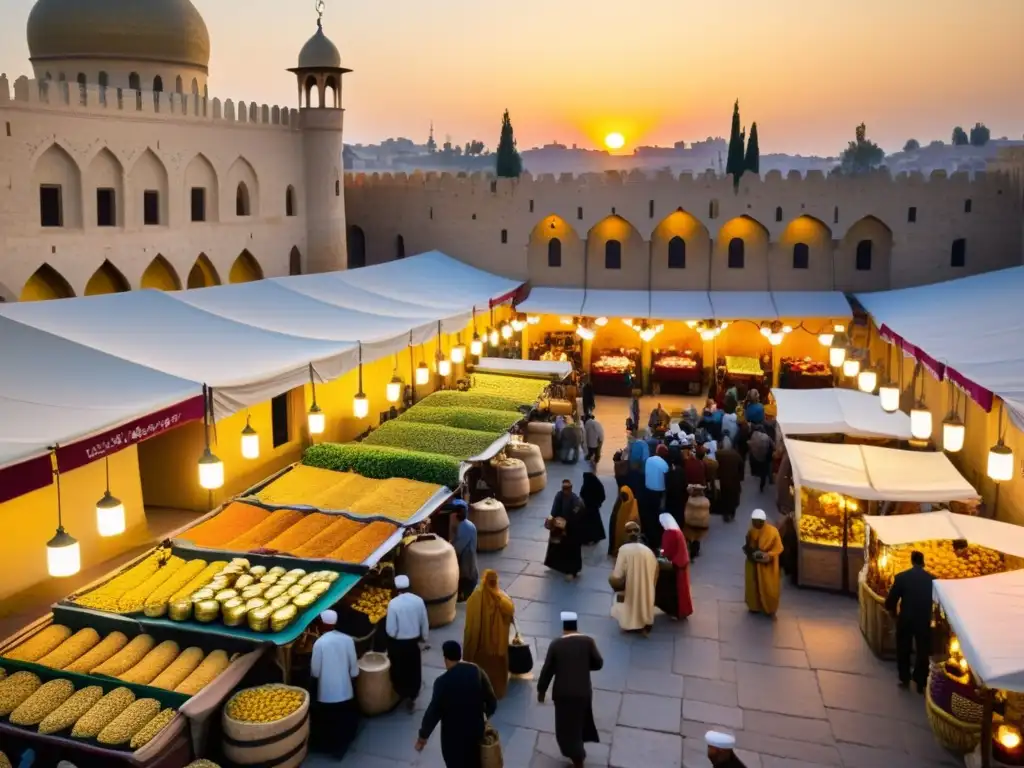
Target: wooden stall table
<point>747,371</point>
<point>613,372</point>
<point>805,374</point>
<point>677,374</point>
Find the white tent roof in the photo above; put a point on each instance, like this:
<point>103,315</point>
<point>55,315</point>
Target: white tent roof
<point>681,305</point>
<point>609,303</point>
<point>834,410</point>
<point>987,614</point>
<point>55,391</point>
<point>973,325</point>
<point>747,305</point>
<point>533,368</point>
<point>799,304</point>
<point>944,525</point>
<point>553,301</point>
<point>877,474</point>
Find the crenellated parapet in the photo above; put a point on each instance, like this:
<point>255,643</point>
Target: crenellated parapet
<point>124,103</point>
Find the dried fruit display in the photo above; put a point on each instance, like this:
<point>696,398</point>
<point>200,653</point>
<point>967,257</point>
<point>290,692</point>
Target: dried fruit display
<point>373,602</point>
<point>941,560</point>
<point>822,517</point>
<point>301,533</point>
<point>397,498</point>
<point>257,537</point>
<point>332,537</point>
<point>229,523</point>
<point>383,463</point>
<point>479,419</point>
<point>300,483</point>
<point>342,495</point>
<point>364,543</point>
<point>431,438</point>
<point>265,704</point>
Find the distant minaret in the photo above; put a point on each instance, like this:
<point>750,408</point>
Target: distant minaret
<point>319,74</point>
<point>431,144</point>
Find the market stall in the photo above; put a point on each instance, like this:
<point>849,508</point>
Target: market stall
<point>746,372</point>
<point>835,485</point>
<point>804,373</point>
<point>676,371</point>
<point>615,371</point>
<point>847,412</point>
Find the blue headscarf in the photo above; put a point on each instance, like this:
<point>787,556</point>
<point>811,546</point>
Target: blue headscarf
<point>639,452</point>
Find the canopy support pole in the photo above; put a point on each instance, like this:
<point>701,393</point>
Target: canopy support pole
<point>986,728</point>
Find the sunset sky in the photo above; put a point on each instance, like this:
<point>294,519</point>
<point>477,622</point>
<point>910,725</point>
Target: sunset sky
<point>656,71</point>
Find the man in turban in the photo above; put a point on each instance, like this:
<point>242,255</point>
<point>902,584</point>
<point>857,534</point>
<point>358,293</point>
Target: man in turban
<point>720,750</point>
<point>762,548</point>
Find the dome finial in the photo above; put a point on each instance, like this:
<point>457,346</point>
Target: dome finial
<point>320,13</point>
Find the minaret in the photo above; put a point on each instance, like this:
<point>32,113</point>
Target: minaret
<point>319,73</point>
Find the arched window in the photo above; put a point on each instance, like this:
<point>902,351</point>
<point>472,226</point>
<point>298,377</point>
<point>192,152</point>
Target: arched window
<point>295,262</point>
<point>958,256</point>
<point>242,200</point>
<point>356,247</point>
<point>801,256</point>
<point>864,248</point>
<point>835,215</point>
<point>677,253</point>
<point>713,209</point>
<point>504,236</point>
<point>778,214</point>
<point>554,252</point>
<point>613,255</point>
<point>289,202</point>
<point>81,79</point>
<point>104,80</point>
<point>736,253</point>
<point>158,84</point>
<point>399,247</point>
<point>178,85</point>
<point>195,87</point>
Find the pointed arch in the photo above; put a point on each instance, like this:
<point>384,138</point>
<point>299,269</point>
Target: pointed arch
<point>399,247</point>
<point>160,276</point>
<point>295,261</point>
<point>680,252</point>
<point>244,188</point>
<point>201,190</point>
<point>148,189</point>
<point>106,279</point>
<point>57,181</point>
<point>45,284</point>
<point>307,88</point>
<point>179,85</point>
<point>104,184</point>
<point>158,84</point>
<point>617,256</point>
<point>740,260</point>
<point>803,256</point>
<point>203,274</point>
<point>289,201</point>
<point>863,259</point>
<point>356,247</point>
<point>245,269</point>
<point>555,253</point>
<point>242,207</point>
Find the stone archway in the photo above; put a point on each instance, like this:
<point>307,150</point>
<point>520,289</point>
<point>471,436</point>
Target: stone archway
<point>610,237</point>
<point>680,253</point>
<point>106,279</point>
<point>740,258</point>
<point>554,254</point>
<point>45,284</point>
<point>862,261</point>
<point>160,276</point>
<point>802,257</point>
<point>203,274</point>
<point>245,269</point>
<point>356,247</point>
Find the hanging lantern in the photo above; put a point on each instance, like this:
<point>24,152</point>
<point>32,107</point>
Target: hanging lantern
<point>360,405</point>
<point>63,555</point>
<point>825,339</point>
<point>707,334</point>
<point>109,510</point>
<point>211,469</point>
<point>316,420</point>
<point>493,337</point>
<point>393,391</point>
<point>766,331</point>
<point>953,433</point>
<point>889,397</point>
<point>250,442</point>
<point>422,374</point>
<point>444,367</point>
<point>723,325</point>
<point>1000,463</point>
<point>601,322</point>
<point>691,323</point>
<point>775,338</point>
<point>507,331</point>
<point>787,329</point>
<point>459,354</point>
<point>518,323</point>
<point>920,422</point>
<point>476,348</point>
<point>867,380</point>
<point>851,367</point>
<point>837,351</point>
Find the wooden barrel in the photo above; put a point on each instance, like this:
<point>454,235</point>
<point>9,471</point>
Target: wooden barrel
<point>536,470</point>
<point>433,570</point>
<point>491,521</point>
<point>698,512</point>
<point>374,691</point>
<point>281,743</point>
<point>513,483</point>
<point>539,433</point>
<point>560,407</point>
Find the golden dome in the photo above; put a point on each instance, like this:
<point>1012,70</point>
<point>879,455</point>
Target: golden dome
<point>165,31</point>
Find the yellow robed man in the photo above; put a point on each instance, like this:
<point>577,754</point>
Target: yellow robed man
<point>762,548</point>
<point>489,613</point>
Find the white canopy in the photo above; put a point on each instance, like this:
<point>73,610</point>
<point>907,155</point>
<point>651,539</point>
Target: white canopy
<point>944,525</point>
<point>547,369</point>
<point>553,301</point>
<point>681,305</point>
<point>972,325</point>
<point>800,304</point>
<point>987,614</point>
<point>835,410</point>
<point>746,305</point>
<point>619,304</point>
<point>877,474</point>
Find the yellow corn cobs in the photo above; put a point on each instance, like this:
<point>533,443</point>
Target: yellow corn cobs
<point>71,649</point>
<point>126,658</point>
<point>156,602</point>
<point>40,644</point>
<point>200,581</point>
<point>180,668</point>
<point>107,596</point>
<point>152,664</point>
<point>197,764</point>
<point>5,763</point>
<point>68,713</point>
<point>48,697</point>
<point>134,600</point>
<point>132,720</point>
<point>15,689</point>
<point>152,728</point>
<point>215,663</point>
<point>100,653</point>
<point>102,713</point>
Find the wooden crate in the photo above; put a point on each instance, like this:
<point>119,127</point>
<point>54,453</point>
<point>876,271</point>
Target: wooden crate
<point>875,622</point>
<point>820,566</point>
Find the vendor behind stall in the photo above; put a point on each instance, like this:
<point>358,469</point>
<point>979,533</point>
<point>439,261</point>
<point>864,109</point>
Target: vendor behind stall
<point>464,542</point>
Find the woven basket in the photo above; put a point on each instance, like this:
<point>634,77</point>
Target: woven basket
<point>955,735</point>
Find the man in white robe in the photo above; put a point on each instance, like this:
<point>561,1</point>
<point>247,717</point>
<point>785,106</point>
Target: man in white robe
<point>634,580</point>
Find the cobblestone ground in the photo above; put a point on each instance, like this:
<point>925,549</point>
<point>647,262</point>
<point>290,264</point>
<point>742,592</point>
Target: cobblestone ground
<point>802,691</point>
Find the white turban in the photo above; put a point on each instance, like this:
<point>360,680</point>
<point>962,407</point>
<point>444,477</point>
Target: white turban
<point>568,616</point>
<point>720,740</point>
<point>401,582</point>
<point>758,514</point>
<point>668,522</point>
<point>329,617</point>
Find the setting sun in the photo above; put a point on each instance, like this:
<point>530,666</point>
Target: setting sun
<point>614,141</point>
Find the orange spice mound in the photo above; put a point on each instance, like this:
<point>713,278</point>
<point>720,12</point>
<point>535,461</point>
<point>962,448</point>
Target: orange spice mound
<point>269,529</point>
<point>233,520</point>
<point>300,533</point>
<point>329,539</point>
<point>363,544</point>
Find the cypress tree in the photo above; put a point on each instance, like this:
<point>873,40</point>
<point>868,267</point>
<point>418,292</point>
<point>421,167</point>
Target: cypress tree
<point>752,162</point>
<point>734,163</point>
<point>508,162</point>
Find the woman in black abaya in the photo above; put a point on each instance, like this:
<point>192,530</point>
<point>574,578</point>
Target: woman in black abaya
<point>593,496</point>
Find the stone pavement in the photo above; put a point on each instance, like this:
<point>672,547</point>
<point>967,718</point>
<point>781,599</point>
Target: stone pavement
<point>800,691</point>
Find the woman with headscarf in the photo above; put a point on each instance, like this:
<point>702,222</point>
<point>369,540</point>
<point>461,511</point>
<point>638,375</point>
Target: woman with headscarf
<point>673,595</point>
<point>593,496</point>
<point>625,511</point>
<point>564,552</point>
<point>489,613</point>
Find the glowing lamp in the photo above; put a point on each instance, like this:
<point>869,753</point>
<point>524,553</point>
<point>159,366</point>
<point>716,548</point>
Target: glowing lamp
<point>1008,737</point>
<point>707,334</point>
<point>836,355</point>
<point>109,516</point>
<point>787,329</point>
<point>459,354</point>
<point>316,420</point>
<point>444,367</point>
<point>211,471</point>
<point>493,337</point>
<point>954,646</point>
<point>518,325</point>
<point>601,322</point>
<point>691,323</point>
<point>851,367</point>
<point>393,391</point>
<point>584,333</point>
<point>775,338</point>
<point>889,397</point>
<point>422,374</point>
<point>250,442</point>
<point>1000,463</point>
<point>920,422</point>
<point>963,664</point>
<point>63,555</point>
<point>825,339</point>
<point>565,320</point>
<point>867,380</point>
<point>532,319</point>
<point>723,325</point>
<point>839,328</point>
<point>953,433</point>
<point>476,348</point>
<point>883,561</point>
<point>506,331</point>
<point>766,331</point>
<point>360,405</point>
